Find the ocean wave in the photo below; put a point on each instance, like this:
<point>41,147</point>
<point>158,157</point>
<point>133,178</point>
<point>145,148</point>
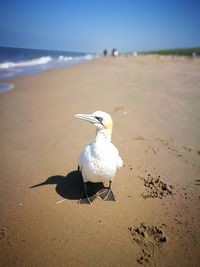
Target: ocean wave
<point>28,63</point>
<point>20,61</point>
<point>64,58</point>
<point>4,87</point>
<point>88,57</point>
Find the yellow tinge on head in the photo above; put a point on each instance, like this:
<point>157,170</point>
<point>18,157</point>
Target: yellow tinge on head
<point>101,120</point>
<point>107,123</point>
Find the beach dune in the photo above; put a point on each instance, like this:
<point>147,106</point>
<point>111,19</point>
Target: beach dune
<point>154,103</point>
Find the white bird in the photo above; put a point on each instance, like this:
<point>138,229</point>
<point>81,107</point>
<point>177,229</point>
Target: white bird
<point>99,160</point>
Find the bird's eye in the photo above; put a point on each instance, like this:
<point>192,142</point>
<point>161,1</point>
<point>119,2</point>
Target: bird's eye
<point>99,119</point>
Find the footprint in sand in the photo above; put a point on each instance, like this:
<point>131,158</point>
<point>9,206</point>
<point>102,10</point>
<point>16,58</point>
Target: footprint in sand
<point>148,237</point>
<point>2,233</point>
<point>156,188</point>
<point>197,182</point>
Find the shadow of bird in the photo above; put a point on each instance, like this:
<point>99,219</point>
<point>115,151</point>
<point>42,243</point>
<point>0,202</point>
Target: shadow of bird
<point>71,185</point>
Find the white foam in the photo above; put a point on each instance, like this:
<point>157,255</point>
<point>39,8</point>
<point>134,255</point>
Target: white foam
<point>4,87</point>
<point>33,62</point>
<point>62,58</point>
<point>88,57</point>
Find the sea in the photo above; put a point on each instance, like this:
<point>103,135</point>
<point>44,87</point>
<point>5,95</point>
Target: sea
<point>23,61</point>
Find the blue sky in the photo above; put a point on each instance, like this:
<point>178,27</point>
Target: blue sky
<point>92,25</point>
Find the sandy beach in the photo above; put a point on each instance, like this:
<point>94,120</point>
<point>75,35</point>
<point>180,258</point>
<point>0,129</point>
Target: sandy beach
<point>155,106</point>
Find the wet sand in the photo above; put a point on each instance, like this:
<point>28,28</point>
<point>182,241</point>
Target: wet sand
<point>155,105</point>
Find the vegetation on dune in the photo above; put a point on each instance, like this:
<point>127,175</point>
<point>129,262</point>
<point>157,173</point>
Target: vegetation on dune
<point>176,51</point>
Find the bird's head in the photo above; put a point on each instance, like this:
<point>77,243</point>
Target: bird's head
<point>101,120</point>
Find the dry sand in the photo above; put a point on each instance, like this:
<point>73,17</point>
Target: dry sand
<point>155,105</point>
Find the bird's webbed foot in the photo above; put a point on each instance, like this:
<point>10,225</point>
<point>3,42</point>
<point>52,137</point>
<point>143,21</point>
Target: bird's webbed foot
<point>87,197</point>
<point>107,194</point>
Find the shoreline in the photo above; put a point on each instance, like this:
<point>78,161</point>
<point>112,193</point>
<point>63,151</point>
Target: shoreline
<point>9,82</point>
<point>154,103</point>
<point>22,62</point>
<point>138,58</point>
<point>5,87</point>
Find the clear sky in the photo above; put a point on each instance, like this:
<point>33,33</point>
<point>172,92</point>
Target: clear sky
<point>92,25</point>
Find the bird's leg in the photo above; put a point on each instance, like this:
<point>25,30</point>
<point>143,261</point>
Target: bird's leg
<point>85,199</point>
<point>107,194</point>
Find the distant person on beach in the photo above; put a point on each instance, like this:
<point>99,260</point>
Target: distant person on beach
<point>105,53</point>
<point>115,53</point>
<point>194,54</point>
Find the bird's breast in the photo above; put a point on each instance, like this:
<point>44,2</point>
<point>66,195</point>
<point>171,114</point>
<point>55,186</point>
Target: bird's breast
<point>99,161</point>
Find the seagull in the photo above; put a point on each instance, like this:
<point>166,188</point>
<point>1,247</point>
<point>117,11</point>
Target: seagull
<point>99,160</point>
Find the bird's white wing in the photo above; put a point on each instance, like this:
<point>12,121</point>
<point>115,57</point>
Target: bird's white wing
<point>119,162</point>
<point>99,161</point>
